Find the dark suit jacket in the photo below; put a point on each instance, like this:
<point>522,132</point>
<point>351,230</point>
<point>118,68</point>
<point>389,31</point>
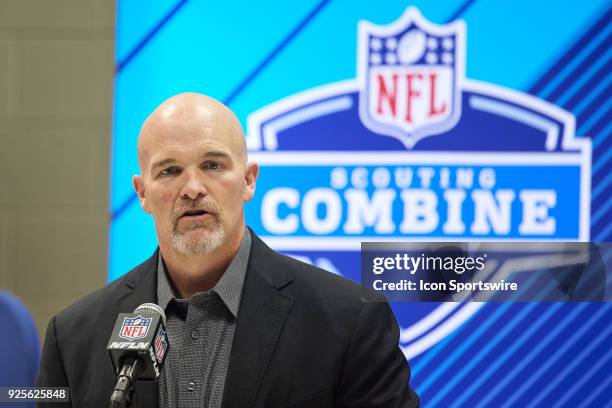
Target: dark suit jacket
<point>303,338</point>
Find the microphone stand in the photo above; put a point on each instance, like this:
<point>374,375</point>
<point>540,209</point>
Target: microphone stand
<point>122,394</point>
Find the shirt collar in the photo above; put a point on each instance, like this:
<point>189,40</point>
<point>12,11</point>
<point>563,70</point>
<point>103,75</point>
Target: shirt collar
<point>229,286</point>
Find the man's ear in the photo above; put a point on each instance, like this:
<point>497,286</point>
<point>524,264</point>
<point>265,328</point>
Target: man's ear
<point>250,177</point>
<point>138,183</point>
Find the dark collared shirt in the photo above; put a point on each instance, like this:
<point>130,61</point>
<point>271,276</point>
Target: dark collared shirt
<point>200,332</point>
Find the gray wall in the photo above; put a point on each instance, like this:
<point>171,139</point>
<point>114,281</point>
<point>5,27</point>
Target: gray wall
<point>56,88</point>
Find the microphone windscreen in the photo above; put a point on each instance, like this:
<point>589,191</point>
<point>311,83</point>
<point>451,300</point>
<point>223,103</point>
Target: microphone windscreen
<point>150,309</point>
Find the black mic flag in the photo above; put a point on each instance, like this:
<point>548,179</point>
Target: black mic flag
<point>137,348</point>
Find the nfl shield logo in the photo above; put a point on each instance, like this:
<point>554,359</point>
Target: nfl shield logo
<point>161,345</point>
<point>410,73</point>
<point>135,327</point>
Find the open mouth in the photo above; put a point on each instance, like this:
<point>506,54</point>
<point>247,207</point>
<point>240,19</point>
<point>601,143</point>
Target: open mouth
<point>193,213</point>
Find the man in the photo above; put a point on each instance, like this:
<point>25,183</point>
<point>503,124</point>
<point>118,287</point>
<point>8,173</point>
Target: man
<point>247,327</point>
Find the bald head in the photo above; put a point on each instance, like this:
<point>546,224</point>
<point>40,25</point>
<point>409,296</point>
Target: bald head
<point>190,115</point>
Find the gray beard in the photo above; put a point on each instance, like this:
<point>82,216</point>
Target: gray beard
<point>186,244</point>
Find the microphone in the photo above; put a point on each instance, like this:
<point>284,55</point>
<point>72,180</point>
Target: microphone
<point>137,348</point>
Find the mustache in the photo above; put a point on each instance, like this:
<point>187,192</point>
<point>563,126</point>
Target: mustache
<point>190,205</point>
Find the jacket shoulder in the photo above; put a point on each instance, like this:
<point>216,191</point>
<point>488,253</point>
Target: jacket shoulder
<point>74,351</point>
<point>105,299</point>
<point>319,283</point>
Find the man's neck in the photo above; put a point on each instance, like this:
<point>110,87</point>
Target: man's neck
<point>191,274</point>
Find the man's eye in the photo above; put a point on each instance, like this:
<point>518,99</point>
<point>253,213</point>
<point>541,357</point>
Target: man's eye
<point>169,171</point>
<point>213,165</point>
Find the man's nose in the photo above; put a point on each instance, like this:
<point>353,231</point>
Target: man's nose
<point>194,186</point>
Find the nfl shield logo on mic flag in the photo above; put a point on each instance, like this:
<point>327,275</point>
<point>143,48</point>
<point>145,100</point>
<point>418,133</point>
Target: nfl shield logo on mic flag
<point>160,345</point>
<point>135,327</point>
<point>409,74</point>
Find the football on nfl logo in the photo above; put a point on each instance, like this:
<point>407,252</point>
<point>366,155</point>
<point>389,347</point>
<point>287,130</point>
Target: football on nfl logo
<point>134,328</point>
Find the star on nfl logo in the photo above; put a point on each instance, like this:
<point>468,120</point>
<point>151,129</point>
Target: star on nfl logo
<point>410,74</point>
<point>135,327</point>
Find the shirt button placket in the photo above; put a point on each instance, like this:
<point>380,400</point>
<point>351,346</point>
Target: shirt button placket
<point>190,357</point>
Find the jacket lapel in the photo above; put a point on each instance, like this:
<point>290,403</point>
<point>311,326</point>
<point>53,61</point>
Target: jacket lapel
<point>263,312</point>
<point>141,287</point>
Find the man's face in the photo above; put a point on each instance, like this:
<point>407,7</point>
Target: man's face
<point>195,183</point>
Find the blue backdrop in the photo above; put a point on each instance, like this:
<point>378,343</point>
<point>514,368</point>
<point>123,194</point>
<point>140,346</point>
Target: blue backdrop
<point>395,120</point>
